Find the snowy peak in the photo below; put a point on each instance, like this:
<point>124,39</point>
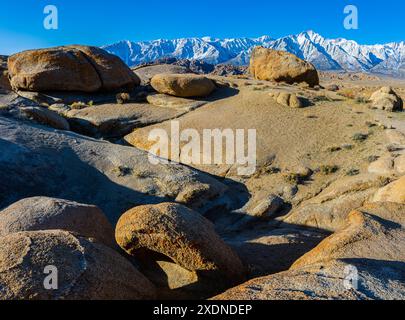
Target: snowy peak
<point>326,54</point>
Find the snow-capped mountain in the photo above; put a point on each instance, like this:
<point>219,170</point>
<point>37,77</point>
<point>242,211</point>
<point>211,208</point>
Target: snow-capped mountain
<point>325,54</point>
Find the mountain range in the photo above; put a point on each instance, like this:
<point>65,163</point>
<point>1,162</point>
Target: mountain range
<point>326,54</point>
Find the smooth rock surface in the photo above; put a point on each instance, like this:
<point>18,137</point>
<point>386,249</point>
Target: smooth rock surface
<point>37,161</point>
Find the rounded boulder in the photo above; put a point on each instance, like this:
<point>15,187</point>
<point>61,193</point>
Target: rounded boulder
<point>183,85</point>
<point>58,265</point>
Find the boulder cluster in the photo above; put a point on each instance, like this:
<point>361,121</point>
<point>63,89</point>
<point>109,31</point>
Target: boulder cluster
<point>84,210</point>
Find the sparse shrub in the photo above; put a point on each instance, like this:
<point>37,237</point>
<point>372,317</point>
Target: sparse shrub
<point>123,98</point>
<point>266,170</point>
<point>393,148</point>
<point>121,171</point>
<point>360,137</point>
<point>328,169</point>
<point>383,181</point>
<point>142,174</point>
<point>370,124</point>
<point>78,105</point>
<point>295,178</point>
<point>361,100</point>
<point>353,172</point>
<point>372,159</point>
<point>334,149</point>
<point>322,99</point>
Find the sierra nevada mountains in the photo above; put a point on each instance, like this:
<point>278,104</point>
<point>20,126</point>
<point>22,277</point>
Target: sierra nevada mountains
<point>325,54</point>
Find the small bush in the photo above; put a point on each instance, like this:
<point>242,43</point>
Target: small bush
<point>78,105</point>
<point>122,171</point>
<point>360,137</point>
<point>361,100</point>
<point>294,178</point>
<point>372,159</point>
<point>328,169</point>
<point>334,149</point>
<point>123,98</point>
<point>353,172</point>
<point>322,99</point>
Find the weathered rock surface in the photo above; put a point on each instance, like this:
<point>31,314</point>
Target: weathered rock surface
<point>42,213</point>
<point>86,270</point>
<point>146,73</point>
<point>117,120</point>
<point>329,210</point>
<point>167,101</point>
<point>394,192</point>
<point>267,64</point>
<point>70,68</point>
<point>270,251</point>
<point>369,249</point>
<point>386,99</point>
<point>36,161</point>
<point>184,236</point>
<point>183,85</point>
<point>47,117</point>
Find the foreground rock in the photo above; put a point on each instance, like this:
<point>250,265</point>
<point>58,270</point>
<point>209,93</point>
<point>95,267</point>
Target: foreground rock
<point>394,192</point>
<point>329,210</point>
<point>371,246</point>
<point>185,237</point>
<point>42,213</point>
<point>386,99</point>
<point>166,101</point>
<point>37,161</point>
<point>117,120</point>
<point>184,86</point>
<point>86,270</point>
<point>280,66</point>
<point>146,73</point>
<point>70,68</point>
<point>47,117</point>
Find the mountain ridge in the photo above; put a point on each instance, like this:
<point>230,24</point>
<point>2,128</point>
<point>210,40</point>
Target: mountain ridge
<point>326,54</point>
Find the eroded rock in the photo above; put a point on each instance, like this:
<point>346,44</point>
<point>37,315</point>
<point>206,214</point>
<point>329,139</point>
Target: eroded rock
<point>42,213</point>
<point>268,64</point>
<point>185,237</point>
<point>183,85</point>
<point>370,248</point>
<point>86,270</point>
<point>70,68</point>
<point>386,99</point>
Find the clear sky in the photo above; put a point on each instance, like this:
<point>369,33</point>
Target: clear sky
<point>102,22</point>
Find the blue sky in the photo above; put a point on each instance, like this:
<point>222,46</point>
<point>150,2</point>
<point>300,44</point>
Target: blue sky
<point>102,22</point>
